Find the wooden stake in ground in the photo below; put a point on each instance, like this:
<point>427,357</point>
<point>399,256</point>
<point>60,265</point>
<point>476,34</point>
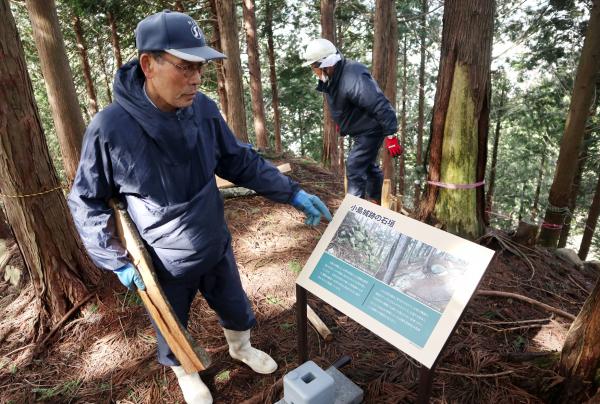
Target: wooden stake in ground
<point>319,325</point>
<point>193,358</point>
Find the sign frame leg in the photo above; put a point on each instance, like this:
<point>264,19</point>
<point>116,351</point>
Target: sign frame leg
<point>301,321</point>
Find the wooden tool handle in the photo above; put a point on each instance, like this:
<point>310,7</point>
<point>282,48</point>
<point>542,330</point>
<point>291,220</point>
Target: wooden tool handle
<point>192,357</point>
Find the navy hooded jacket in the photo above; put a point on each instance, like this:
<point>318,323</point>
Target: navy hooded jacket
<point>163,164</point>
<point>357,103</point>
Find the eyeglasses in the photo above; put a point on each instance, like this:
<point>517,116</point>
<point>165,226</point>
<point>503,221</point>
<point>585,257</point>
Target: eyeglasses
<point>187,70</point>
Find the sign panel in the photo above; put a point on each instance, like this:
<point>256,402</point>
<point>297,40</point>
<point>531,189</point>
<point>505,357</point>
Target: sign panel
<point>404,280</point>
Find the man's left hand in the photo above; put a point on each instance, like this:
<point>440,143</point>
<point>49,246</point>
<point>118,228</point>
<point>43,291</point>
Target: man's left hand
<point>392,146</point>
<point>312,207</point>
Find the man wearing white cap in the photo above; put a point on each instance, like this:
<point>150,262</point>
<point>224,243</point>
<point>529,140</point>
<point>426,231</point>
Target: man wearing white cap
<point>360,110</point>
<point>158,148</point>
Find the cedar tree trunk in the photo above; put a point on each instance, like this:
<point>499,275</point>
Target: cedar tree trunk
<point>256,92</point>
<point>590,224</point>
<point>402,168</point>
<point>85,65</point>
<point>216,43</point>
<point>58,78</point>
<point>459,127</point>
<point>421,108</point>
<point>329,157</point>
<point>273,76</point>
<point>114,36</point>
<point>232,66</point>
<point>580,356</point>
<point>42,225</point>
<point>385,62</point>
<point>492,180</point>
<point>581,100</point>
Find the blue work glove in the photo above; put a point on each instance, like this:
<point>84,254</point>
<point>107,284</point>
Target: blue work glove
<point>312,207</point>
<point>130,277</point>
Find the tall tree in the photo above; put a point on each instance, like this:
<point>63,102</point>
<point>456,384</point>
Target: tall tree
<point>114,37</point>
<point>232,66</point>
<point>58,266</point>
<point>421,110</point>
<point>273,75</point>
<point>492,178</point>
<point>329,157</point>
<point>256,92</point>
<point>85,65</point>
<point>58,78</point>
<point>402,163</point>
<point>581,160</point>
<point>590,224</point>
<point>460,121</point>
<point>581,100</point>
<point>385,61</point>
<point>538,186</point>
<point>216,43</point>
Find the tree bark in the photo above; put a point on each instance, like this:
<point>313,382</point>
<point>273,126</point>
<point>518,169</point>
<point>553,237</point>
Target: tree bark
<point>57,263</point>
<point>402,168</point>
<point>566,229</point>
<point>580,356</point>
<point>85,65</point>
<point>459,128</point>
<point>232,68</point>
<point>581,100</point>
<point>538,187</point>
<point>216,43</point>
<point>581,161</point>
<point>590,224</point>
<point>5,231</point>
<point>114,36</point>
<point>492,178</point>
<point>107,77</point>
<point>385,62</point>
<point>421,108</point>
<point>273,76</point>
<point>58,79</point>
<point>329,156</point>
<point>256,92</point>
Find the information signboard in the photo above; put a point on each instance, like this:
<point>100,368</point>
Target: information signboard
<point>404,280</point>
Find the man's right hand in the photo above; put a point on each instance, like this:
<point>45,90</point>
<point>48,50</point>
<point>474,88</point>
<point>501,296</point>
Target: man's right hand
<point>130,277</point>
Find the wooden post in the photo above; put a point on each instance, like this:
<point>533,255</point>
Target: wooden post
<point>319,325</point>
<point>386,193</point>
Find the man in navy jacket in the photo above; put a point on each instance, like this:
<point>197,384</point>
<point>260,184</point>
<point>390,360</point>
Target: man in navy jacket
<point>158,148</point>
<point>360,110</point>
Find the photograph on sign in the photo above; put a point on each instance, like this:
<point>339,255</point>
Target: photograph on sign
<point>406,281</point>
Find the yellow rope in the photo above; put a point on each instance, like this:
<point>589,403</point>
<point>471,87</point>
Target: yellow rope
<point>35,194</point>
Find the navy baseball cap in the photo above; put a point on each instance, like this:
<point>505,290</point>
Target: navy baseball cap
<point>175,33</point>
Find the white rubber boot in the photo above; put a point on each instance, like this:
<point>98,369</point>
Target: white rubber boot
<point>240,349</point>
<point>193,389</point>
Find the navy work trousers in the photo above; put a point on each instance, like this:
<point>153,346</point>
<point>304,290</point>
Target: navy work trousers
<point>365,178</point>
<point>222,289</point>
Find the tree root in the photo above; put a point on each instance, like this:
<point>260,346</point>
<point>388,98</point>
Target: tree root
<point>544,306</point>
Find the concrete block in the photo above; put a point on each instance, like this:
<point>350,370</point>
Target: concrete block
<point>308,384</point>
<point>346,392</point>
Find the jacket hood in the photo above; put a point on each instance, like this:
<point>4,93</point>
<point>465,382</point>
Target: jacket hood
<point>165,128</point>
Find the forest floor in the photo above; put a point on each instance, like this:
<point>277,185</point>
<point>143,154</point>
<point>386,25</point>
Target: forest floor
<point>107,353</point>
